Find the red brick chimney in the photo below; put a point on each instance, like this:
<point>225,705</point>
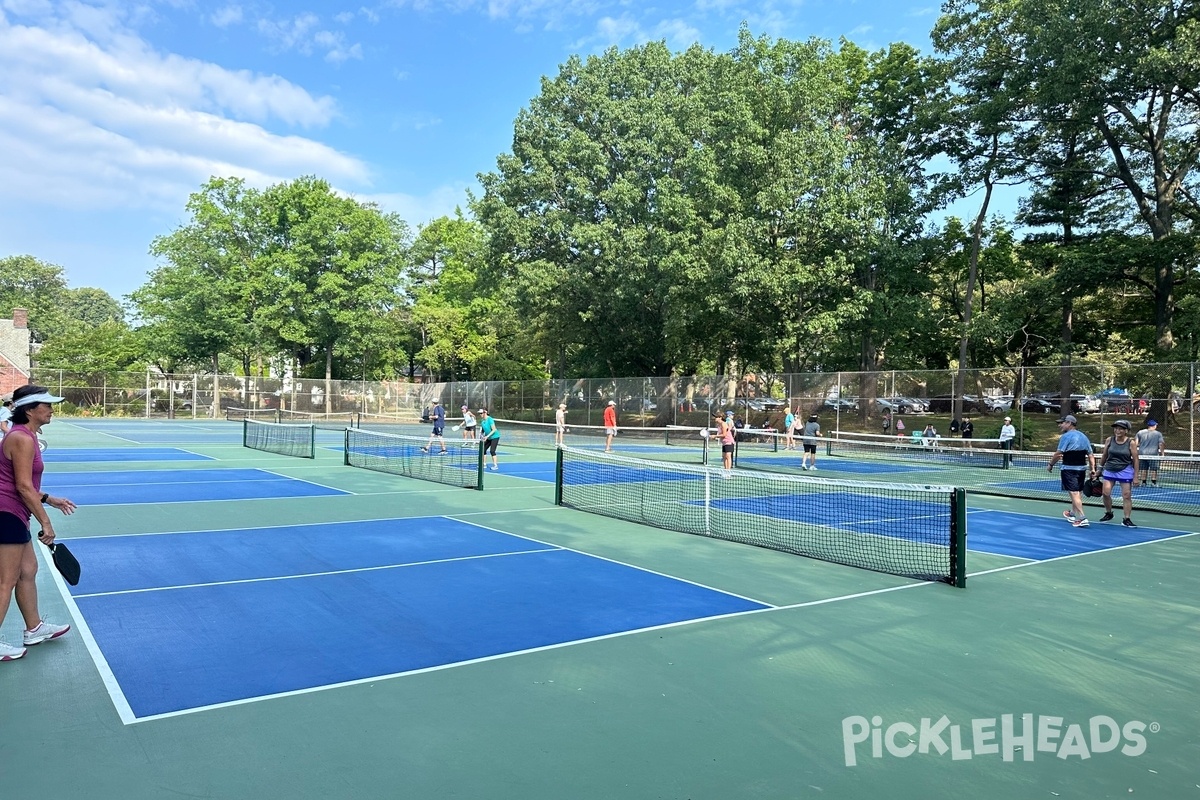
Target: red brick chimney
<point>20,318</point>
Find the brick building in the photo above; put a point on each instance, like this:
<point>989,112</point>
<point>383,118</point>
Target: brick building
<point>14,351</point>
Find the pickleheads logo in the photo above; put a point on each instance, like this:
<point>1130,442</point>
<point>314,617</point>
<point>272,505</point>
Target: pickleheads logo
<point>1013,736</point>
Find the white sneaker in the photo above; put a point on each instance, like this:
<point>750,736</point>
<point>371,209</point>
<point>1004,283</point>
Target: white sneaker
<point>813,467</point>
<point>44,632</point>
<point>10,653</point>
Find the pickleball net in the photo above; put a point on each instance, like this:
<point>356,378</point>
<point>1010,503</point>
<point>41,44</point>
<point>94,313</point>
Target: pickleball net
<point>915,531</point>
<point>298,441</point>
<point>459,464</point>
<point>673,443</point>
<point>982,466</point>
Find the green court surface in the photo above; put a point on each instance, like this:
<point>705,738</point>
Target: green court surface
<point>849,684</point>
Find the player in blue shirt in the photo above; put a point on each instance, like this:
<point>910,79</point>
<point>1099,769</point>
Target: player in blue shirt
<point>439,426</point>
<point>490,435</point>
<point>1078,462</point>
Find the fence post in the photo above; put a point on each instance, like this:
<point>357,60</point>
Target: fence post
<point>149,402</point>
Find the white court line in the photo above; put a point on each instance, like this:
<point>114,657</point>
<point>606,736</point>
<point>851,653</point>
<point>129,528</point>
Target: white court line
<point>272,578</point>
<point>111,685</point>
<point>106,433</point>
<point>614,561</point>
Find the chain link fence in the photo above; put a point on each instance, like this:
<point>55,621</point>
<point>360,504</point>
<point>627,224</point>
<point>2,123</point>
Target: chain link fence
<point>1095,393</point>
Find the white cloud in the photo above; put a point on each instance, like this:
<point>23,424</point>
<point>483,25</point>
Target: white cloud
<point>420,209</point>
<point>290,33</point>
<point>224,17</point>
<point>335,46</point>
<point>91,117</point>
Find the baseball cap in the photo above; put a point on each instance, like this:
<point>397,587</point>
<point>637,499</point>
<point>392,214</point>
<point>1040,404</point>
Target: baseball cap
<point>612,402</point>
<point>483,411</point>
<point>1068,418</point>
<point>1122,423</point>
<point>1150,423</point>
<point>1008,419</point>
<point>464,408</point>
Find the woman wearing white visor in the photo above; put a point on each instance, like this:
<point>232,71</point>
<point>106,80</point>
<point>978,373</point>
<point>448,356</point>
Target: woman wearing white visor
<point>21,497</point>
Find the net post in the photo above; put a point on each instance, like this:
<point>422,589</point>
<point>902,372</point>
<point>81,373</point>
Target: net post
<point>558,476</point>
<point>704,442</point>
<point>245,432</point>
<point>958,538</point>
<point>312,442</point>
<point>479,467</point>
<point>346,448</point>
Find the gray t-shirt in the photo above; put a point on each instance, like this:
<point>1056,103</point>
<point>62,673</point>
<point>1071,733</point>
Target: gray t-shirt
<point>811,429</point>
<point>1149,442</point>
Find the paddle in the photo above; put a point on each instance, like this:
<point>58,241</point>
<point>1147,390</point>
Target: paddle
<point>65,562</point>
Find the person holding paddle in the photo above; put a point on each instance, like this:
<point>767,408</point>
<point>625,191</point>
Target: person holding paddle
<point>21,497</point>
<point>491,437</point>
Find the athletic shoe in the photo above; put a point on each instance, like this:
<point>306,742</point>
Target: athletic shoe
<point>1128,523</point>
<point>10,653</point>
<point>444,451</point>
<point>1070,515</point>
<point>1154,484</point>
<point>813,467</point>
<point>1082,522</point>
<point>43,632</point>
<point>424,449</point>
<point>804,467</point>
<point>1107,516</point>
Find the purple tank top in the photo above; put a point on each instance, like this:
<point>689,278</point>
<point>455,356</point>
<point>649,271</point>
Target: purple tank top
<point>10,501</point>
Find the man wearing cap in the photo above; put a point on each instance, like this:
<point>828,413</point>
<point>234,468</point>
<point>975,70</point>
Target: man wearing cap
<point>1007,434</point>
<point>610,424</point>
<point>1119,464</point>
<point>1078,462</point>
<point>439,427</point>
<point>21,498</point>
<point>1151,447</point>
<point>560,423</point>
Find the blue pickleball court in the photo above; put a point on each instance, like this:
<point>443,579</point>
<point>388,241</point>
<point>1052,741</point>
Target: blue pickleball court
<point>178,486</point>
<point>341,602</point>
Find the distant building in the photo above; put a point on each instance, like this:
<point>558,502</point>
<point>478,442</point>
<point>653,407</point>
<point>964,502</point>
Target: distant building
<point>14,351</point>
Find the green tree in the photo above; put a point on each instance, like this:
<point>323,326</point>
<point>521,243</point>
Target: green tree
<point>333,266</point>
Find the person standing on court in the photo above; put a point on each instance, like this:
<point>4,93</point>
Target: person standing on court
<point>812,429</point>
<point>490,435</point>
<point>438,418</point>
<point>789,429</point>
<point>468,424</point>
<point>1150,447</point>
<point>967,430</point>
<point>1119,464</point>
<point>21,497</point>
<point>726,436</point>
<point>1078,461</point>
<point>560,424</point>
<point>610,424</point>
<point>1007,434</point>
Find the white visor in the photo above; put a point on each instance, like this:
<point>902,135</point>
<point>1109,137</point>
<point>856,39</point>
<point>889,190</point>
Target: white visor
<point>34,399</point>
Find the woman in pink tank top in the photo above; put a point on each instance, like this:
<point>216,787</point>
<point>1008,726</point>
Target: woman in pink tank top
<point>21,497</point>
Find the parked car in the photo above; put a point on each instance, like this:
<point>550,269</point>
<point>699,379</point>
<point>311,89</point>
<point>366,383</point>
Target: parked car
<point>899,405</point>
<point>944,404</point>
<point>761,403</point>
<point>999,402</point>
<point>841,404</point>
<point>1035,405</point>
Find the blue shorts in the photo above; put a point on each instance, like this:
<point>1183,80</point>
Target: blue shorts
<point>438,429</point>
<point>13,530</point>
<point>1072,479</point>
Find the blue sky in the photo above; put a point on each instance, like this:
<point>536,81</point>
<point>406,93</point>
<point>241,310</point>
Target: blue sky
<point>112,113</point>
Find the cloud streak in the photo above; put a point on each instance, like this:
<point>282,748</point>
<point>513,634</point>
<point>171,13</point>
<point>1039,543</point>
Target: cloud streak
<point>92,117</point>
